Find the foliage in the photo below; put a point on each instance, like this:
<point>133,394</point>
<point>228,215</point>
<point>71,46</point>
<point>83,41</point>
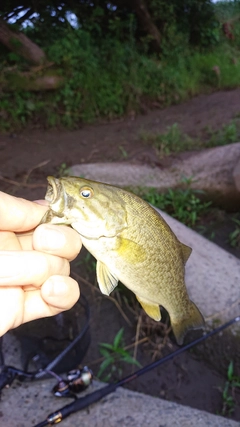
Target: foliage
<point>232,383</point>
<point>175,141</point>
<point>172,141</point>
<point>183,204</point>
<point>234,236</point>
<point>194,19</point>
<point>63,170</point>
<point>114,355</point>
<point>88,261</point>
<point>228,134</point>
<point>105,61</point>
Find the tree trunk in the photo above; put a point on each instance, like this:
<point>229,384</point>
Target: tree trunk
<point>146,22</point>
<point>32,82</point>
<point>21,44</point>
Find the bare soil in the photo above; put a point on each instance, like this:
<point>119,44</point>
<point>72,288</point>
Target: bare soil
<point>26,159</point>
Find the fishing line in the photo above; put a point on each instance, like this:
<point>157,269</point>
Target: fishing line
<point>83,402</point>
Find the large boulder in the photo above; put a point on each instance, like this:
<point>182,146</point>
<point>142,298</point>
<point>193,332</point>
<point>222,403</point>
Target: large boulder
<point>214,170</point>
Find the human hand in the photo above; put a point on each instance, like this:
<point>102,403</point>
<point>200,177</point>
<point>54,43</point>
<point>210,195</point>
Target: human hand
<point>34,264</point>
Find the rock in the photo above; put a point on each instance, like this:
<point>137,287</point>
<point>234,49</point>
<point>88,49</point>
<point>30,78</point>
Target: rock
<point>236,175</point>
<point>210,170</point>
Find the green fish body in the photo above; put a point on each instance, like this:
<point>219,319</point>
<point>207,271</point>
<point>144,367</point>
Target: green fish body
<point>132,244</point>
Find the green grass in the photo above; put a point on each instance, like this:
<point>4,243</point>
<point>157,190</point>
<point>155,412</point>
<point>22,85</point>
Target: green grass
<point>175,141</point>
<point>227,135</point>
<point>172,141</point>
<point>183,204</point>
<point>234,236</point>
<point>232,384</point>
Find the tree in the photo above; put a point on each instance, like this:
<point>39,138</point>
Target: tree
<point>155,22</point>
<point>147,23</point>
<point>19,43</point>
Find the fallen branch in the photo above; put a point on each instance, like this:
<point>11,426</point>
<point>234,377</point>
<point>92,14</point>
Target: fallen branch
<point>30,81</point>
<point>21,184</point>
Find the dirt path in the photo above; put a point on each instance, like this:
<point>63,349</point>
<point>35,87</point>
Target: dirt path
<point>117,141</point>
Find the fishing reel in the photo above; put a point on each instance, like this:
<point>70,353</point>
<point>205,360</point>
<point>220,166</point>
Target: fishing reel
<point>46,356</point>
<point>77,380</point>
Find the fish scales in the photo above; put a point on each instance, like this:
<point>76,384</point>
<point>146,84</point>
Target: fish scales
<point>131,242</point>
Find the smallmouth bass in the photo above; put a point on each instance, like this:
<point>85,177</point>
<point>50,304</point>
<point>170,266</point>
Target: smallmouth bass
<point>132,244</point>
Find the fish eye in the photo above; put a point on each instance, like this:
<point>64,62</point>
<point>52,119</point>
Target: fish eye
<point>86,192</point>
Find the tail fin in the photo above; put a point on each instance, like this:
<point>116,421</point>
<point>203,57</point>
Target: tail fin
<point>193,320</point>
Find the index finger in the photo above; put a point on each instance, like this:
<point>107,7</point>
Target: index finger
<point>18,214</point>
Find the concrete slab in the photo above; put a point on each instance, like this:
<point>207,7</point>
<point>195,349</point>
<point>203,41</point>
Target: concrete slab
<point>27,404</point>
<point>211,170</point>
<point>212,274</point>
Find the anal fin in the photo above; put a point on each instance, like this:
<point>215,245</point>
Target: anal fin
<point>151,309</point>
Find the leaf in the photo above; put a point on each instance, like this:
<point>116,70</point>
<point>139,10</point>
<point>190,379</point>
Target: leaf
<point>104,352</point>
<point>118,338</point>
<point>131,360</point>
<point>104,366</point>
<point>106,345</point>
<point>230,371</point>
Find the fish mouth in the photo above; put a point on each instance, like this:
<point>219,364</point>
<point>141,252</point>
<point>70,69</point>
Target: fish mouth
<point>54,189</point>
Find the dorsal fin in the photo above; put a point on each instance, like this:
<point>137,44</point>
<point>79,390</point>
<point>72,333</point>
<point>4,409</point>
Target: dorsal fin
<point>186,251</point>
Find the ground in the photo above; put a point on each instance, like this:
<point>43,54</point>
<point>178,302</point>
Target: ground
<point>27,157</point>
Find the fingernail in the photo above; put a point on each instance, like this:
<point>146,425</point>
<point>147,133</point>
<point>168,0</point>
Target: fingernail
<point>51,237</point>
<point>10,265</point>
<point>57,287</point>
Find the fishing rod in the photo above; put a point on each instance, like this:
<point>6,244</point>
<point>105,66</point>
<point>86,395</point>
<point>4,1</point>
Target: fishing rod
<point>83,402</point>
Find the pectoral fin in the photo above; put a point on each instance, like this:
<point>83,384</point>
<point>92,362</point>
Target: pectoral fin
<point>152,310</point>
<point>107,281</point>
<point>129,250</point>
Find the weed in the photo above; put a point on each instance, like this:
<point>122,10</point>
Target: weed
<point>172,141</point>
<point>234,236</point>
<point>114,355</point>
<point>123,152</point>
<point>88,261</point>
<point>228,134</point>
<point>183,204</point>
<point>232,383</point>
<point>204,230</point>
<point>63,170</point>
